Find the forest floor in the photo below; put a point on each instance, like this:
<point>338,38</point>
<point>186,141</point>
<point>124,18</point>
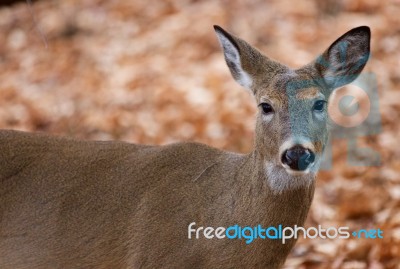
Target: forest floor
<point>153,72</point>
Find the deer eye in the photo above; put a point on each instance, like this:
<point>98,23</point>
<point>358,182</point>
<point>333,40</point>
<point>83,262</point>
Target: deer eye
<point>266,108</point>
<point>319,105</point>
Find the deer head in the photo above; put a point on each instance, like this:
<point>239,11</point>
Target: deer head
<point>292,118</point>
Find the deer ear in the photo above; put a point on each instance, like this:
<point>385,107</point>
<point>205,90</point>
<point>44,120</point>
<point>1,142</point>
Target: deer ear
<point>344,60</point>
<point>233,57</point>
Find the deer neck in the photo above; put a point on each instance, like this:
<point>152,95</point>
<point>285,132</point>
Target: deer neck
<point>270,195</point>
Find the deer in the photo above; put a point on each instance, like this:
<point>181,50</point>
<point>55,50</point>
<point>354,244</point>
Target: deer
<point>69,203</point>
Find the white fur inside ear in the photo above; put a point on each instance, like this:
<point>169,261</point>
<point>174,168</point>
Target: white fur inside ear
<point>232,58</point>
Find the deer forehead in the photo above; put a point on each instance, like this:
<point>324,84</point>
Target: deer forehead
<point>287,86</point>
<point>309,93</point>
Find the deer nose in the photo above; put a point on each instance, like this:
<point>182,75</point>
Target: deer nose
<point>298,158</point>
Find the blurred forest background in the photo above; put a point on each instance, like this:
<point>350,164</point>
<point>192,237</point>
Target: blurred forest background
<point>153,72</point>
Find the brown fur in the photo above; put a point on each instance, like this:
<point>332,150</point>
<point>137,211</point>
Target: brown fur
<point>307,94</point>
<point>86,204</point>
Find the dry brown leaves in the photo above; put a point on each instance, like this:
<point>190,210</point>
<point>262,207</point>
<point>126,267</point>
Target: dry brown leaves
<point>153,72</point>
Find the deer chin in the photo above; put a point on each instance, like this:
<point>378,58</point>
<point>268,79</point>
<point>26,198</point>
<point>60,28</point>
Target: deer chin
<point>282,178</point>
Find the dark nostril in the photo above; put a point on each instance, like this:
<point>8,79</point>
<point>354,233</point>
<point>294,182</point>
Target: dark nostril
<point>298,158</point>
<point>305,160</point>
